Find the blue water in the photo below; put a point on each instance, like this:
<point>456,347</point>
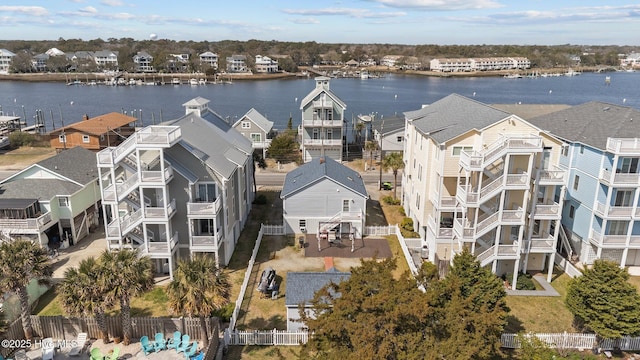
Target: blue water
<point>279,99</point>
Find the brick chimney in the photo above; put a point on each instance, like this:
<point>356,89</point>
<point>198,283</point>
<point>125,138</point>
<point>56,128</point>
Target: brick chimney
<point>85,117</point>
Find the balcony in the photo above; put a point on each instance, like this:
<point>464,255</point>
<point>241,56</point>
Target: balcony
<point>322,142</point>
<point>542,243</point>
<point>121,188</point>
<point>160,213</point>
<point>322,104</point>
<point>614,241</point>
<point>619,179</point>
<point>476,160</point>
<point>157,136</point>
<point>624,146</point>
<point>130,221</point>
<point>150,178</point>
<point>33,225</point>
<point>322,123</point>
<point>517,181</point>
<point>615,212</point>
<point>551,177</point>
<point>263,144</point>
<point>350,215</point>
<point>204,209</point>
<point>160,249</point>
<point>547,211</point>
<point>440,232</point>
<point>504,252</point>
<point>463,230</point>
<point>206,243</point>
<point>443,203</point>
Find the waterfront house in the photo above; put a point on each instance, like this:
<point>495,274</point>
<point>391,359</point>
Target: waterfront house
<point>39,62</point>
<point>106,59</point>
<point>601,152</point>
<point>301,287</point>
<point>390,60</point>
<point>143,62</point>
<point>478,64</point>
<point>179,188</point>
<point>53,200</point>
<point>257,128</point>
<point>482,178</point>
<point>93,133</point>
<point>237,64</point>
<point>209,59</point>
<point>5,60</point>
<point>323,196</point>
<point>265,64</point>
<point>388,132</point>
<point>322,122</point>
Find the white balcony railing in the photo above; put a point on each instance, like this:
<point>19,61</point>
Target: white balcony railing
<point>612,211</point>
<point>547,211</point>
<point>322,123</point>
<point>623,146</point>
<point>321,142</point>
<point>262,144</point>
<point>34,224</point>
<point>162,248</point>
<point>208,209</point>
<point>155,177</point>
<point>620,179</point>
<point>552,177</point>
<point>611,241</point>
<point>209,242</point>
<point>156,135</point>
<point>322,104</point>
<point>161,213</point>
<point>476,160</point>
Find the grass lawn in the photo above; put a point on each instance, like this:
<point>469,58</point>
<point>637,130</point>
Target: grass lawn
<point>541,314</point>
<point>153,304</point>
<point>25,156</point>
<point>262,352</point>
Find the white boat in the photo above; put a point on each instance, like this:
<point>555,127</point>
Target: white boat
<point>571,72</point>
<point>175,81</point>
<point>364,74</point>
<point>193,82</point>
<point>202,82</point>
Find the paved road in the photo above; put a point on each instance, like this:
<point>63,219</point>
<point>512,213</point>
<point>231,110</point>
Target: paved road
<point>277,179</point>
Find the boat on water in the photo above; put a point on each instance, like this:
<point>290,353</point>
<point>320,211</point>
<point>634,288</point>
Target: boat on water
<point>175,81</point>
<point>202,82</point>
<point>364,74</point>
<point>513,76</point>
<point>193,82</point>
<point>572,72</point>
<point>75,82</point>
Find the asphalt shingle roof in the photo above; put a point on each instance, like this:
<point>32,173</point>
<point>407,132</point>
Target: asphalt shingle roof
<point>317,169</point>
<point>389,124</point>
<point>591,123</point>
<point>41,189</point>
<point>453,116</point>
<point>77,164</point>
<point>301,286</point>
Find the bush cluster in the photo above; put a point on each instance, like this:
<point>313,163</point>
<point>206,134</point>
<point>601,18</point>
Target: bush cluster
<point>389,200</point>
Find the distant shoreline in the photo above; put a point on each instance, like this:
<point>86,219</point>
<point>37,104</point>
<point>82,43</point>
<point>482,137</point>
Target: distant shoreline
<point>184,77</point>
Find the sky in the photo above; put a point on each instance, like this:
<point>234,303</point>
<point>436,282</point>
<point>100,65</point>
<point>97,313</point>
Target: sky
<point>444,22</point>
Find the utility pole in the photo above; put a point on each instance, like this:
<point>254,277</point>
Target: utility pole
<point>381,154</point>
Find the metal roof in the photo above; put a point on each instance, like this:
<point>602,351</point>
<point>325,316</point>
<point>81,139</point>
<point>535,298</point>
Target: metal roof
<point>254,116</point>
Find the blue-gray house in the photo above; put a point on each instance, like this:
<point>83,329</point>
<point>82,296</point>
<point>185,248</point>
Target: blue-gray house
<point>601,217</point>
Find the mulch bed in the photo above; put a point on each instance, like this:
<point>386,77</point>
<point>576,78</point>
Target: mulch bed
<point>364,248</point>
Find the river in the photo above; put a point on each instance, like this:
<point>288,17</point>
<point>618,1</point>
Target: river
<point>279,99</point>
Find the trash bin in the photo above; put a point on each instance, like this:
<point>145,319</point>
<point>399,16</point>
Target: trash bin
<point>301,242</point>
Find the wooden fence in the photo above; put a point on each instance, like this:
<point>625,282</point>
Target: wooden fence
<point>67,328</point>
<point>265,337</point>
<point>575,341</point>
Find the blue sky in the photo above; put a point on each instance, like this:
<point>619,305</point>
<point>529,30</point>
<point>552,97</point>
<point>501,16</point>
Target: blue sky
<point>518,22</point>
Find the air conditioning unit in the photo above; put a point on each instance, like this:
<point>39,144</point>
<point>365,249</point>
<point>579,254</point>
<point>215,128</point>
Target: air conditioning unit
<point>303,229</point>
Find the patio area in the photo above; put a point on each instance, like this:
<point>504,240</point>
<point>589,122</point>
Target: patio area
<point>368,247</point>
<point>132,351</point>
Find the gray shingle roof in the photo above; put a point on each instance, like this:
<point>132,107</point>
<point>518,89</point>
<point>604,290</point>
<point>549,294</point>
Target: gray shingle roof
<point>528,111</point>
<point>315,170</point>
<point>389,124</point>
<point>41,189</point>
<point>214,141</point>
<point>302,285</point>
<point>77,164</point>
<point>453,116</point>
<point>592,123</point>
<point>254,116</point>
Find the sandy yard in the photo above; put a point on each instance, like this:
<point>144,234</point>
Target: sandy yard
<point>21,158</point>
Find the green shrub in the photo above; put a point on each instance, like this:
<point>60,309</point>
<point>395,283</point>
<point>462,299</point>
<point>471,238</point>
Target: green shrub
<point>407,224</point>
<point>401,211</point>
<point>260,200</point>
<point>389,200</point>
<point>225,313</point>
<point>525,282</point>
<point>19,138</point>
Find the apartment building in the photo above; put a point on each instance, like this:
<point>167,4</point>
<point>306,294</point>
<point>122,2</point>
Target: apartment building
<point>322,122</point>
<point>484,179</point>
<point>601,152</point>
<point>479,64</point>
<point>179,188</point>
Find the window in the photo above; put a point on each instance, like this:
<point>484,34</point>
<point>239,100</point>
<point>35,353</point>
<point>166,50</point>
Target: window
<point>206,226</point>
<point>581,149</point>
<point>206,192</point>
<point>628,166</point>
<point>63,201</point>
<point>256,137</point>
<point>346,204</point>
<point>419,172</point>
<point>624,198</point>
<point>62,138</point>
<point>85,138</point>
<point>565,150</point>
<point>576,182</point>
<point>417,201</point>
<point>246,125</point>
<point>572,211</point>
<point>618,227</point>
<point>458,149</point>
<point>315,134</point>
<point>330,134</point>
<point>399,139</point>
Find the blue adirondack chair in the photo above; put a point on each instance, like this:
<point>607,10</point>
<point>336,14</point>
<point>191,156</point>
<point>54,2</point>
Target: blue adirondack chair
<point>175,341</point>
<point>200,356</point>
<point>147,346</point>
<point>192,351</point>
<point>160,343</point>
<point>184,344</point>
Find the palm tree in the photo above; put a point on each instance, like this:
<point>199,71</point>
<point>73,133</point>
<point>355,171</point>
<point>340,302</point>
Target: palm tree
<point>22,261</point>
<point>128,275</point>
<point>371,146</point>
<point>359,127</point>
<point>394,162</point>
<point>84,291</point>
<point>198,288</point>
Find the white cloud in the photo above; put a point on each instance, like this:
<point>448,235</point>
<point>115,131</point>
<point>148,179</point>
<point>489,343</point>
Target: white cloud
<point>563,15</point>
<point>112,2</point>
<point>305,20</point>
<point>89,10</point>
<point>351,12</point>
<point>27,10</point>
<point>441,4</point>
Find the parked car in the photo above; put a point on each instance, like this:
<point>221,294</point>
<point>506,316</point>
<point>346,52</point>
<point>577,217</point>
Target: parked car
<point>387,185</point>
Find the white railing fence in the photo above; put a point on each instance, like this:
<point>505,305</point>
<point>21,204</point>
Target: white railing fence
<point>575,341</point>
<point>379,230</point>
<point>265,337</point>
<point>273,229</point>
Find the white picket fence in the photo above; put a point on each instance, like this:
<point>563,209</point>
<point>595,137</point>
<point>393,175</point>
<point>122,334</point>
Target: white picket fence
<point>379,230</point>
<point>273,229</point>
<point>575,341</point>
<point>265,337</point>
